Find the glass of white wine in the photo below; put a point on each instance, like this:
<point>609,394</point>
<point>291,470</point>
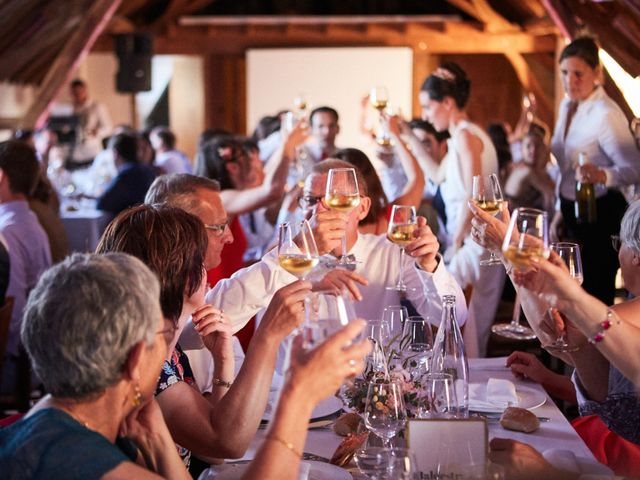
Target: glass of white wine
<point>527,238</point>
<point>487,196</point>
<point>297,254</point>
<point>300,103</point>
<point>402,224</point>
<point>570,254</point>
<point>342,195</point>
<point>379,98</point>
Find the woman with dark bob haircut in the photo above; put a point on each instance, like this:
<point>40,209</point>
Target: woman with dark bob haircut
<point>95,335</point>
<point>173,243</point>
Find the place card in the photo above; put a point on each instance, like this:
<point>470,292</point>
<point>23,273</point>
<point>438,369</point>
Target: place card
<point>445,448</point>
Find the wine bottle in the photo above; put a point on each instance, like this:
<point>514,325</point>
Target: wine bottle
<point>449,355</point>
<point>585,204</point>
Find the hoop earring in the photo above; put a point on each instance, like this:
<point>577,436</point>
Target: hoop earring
<point>137,395</point>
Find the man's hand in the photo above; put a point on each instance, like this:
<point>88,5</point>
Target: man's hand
<point>329,227</point>
<point>340,280</point>
<point>425,247</point>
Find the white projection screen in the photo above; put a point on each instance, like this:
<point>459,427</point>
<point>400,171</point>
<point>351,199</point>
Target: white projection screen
<point>337,77</point>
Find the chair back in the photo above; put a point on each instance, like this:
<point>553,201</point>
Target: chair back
<point>5,321</point>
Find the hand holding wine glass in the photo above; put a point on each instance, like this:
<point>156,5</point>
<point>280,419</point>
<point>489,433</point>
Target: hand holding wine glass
<point>379,98</point>
<point>297,254</point>
<point>342,194</point>
<point>402,225</point>
<point>487,196</point>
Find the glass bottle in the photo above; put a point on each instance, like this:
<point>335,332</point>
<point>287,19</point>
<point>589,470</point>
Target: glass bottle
<point>449,355</point>
<point>585,204</point>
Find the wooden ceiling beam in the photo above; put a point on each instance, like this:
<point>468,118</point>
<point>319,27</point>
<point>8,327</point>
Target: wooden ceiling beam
<point>94,22</point>
<point>530,83</point>
<point>482,11</point>
<point>562,17</point>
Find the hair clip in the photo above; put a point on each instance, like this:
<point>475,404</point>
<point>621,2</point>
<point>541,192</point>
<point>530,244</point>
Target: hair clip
<point>444,74</point>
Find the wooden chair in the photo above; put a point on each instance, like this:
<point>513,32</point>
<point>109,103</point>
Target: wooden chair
<point>19,399</point>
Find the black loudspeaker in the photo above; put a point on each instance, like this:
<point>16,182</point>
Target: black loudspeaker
<point>134,51</point>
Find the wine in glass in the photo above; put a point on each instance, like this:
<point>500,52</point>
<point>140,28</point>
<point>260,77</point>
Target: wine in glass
<point>300,103</point>
<point>527,238</point>
<point>385,414</point>
<point>379,99</point>
<point>402,224</point>
<point>342,195</point>
<point>570,254</point>
<point>487,196</point>
<point>297,254</point>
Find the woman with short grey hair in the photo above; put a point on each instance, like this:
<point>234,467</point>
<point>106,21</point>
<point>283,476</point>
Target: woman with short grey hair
<point>95,334</point>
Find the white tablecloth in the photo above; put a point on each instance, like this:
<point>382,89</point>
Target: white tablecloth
<point>556,438</point>
<point>84,228</point>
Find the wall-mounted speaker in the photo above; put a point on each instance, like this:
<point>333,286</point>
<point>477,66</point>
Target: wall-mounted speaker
<point>134,51</point>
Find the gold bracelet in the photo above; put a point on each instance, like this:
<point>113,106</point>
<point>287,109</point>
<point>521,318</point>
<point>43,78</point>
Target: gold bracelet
<point>289,445</point>
<point>218,382</point>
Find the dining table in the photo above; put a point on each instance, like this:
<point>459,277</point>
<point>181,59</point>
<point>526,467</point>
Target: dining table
<point>83,223</point>
<point>555,439</point>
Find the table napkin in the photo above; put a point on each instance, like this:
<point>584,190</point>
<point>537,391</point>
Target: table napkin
<point>495,394</point>
<point>567,460</point>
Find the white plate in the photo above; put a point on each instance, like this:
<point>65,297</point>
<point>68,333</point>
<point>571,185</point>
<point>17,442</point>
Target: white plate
<point>325,407</point>
<point>528,398</point>
<point>317,471</point>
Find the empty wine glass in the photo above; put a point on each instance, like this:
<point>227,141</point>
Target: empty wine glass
<point>379,333</point>
<point>570,254</point>
<point>487,196</point>
<point>373,462</point>
<point>326,312</point>
<point>416,345</point>
<point>395,316</point>
<point>402,464</point>
<point>297,254</point>
<point>402,224</point>
<point>342,194</point>
<point>527,237</point>
<point>385,414</point>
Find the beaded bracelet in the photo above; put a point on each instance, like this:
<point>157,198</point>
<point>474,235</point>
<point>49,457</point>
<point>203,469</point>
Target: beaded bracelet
<point>604,326</point>
<point>289,445</point>
<point>218,382</point>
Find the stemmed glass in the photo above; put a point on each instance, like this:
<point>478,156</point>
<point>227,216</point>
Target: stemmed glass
<point>527,237</point>
<point>342,194</point>
<point>300,103</point>
<point>570,254</point>
<point>326,312</point>
<point>395,316</point>
<point>385,414</point>
<point>373,462</point>
<point>402,224</point>
<point>379,98</point>
<point>297,254</point>
<point>416,345</point>
<point>487,196</point>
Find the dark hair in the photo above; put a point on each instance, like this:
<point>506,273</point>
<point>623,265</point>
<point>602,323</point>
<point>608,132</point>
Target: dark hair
<point>77,82</point>
<point>584,48</point>
<point>213,157</point>
<point>539,130</point>
<point>125,145</point>
<point>448,80</point>
<point>248,144</point>
<point>166,136</point>
<point>420,124</point>
<point>498,135</point>
<point>19,163</point>
<point>170,241</point>
<point>266,126</point>
<point>325,165</point>
<point>364,167</point>
<point>324,109</point>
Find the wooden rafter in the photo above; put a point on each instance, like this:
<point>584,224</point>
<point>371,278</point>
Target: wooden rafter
<point>74,51</point>
<point>483,12</point>
<point>529,82</point>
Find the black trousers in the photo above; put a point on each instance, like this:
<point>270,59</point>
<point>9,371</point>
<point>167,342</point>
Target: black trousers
<point>599,259</point>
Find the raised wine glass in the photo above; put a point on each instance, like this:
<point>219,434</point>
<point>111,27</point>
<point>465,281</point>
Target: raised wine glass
<point>297,254</point>
<point>402,224</point>
<point>379,98</point>
<point>570,254</point>
<point>326,312</point>
<point>385,414</point>
<point>527,237</point>
<point>342,195</point>
<point>487,196</point>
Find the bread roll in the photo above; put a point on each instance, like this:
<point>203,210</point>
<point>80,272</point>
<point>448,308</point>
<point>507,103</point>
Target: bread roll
<point>519,419</point>
<point>346,423</point>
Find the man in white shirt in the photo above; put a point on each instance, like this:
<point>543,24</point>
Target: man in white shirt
<point>94,123</point>
<point>322,143</point>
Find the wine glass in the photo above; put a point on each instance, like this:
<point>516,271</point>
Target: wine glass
<point>527,237</point>
<point>384,413</point>
<point>373,462</point>
<point>342,194</point>
<point>487,196</point>
<point>297,254</point>
<point>416,345</point>
<point>300,103</point>
<point>570,254</point>
<point>402,224</point>
<point>326,312</point>
<point>379,99</point>
<point>395,316</point>
<point>441,394</point>
<point>402,464</point>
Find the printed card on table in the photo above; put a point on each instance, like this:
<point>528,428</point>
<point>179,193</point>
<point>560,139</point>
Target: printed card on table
<point>443,449</point>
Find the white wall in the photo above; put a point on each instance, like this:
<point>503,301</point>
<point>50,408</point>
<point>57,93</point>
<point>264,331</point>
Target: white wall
<point>337,77</point>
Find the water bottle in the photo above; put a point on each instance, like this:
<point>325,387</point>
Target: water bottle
<point>585,204</point>
<point>449,356</point>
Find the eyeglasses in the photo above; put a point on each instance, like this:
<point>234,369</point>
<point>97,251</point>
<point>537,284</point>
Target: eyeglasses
<point>218,229</point>
<point>616,243</point>
<point>307,201</point>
